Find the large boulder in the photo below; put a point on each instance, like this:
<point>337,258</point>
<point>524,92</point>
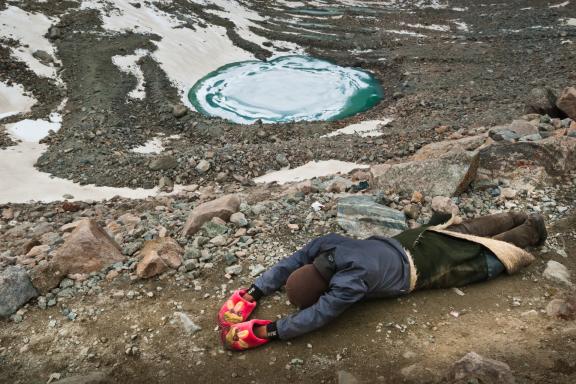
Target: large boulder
<point>87,249</point>
<point>362,216</point>
<point>448,175</point>
<point>541,101</point>
<point>15,290</point>
<point>474,368</point>
<point>222,208</point>
<point>158,256</point>
<point>567,102</point>
<point>556,155</point>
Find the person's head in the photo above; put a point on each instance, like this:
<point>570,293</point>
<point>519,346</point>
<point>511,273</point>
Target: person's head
<point>305,286</point>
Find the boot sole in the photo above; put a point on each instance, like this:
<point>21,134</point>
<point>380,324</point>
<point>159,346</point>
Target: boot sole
<point>541,229</point>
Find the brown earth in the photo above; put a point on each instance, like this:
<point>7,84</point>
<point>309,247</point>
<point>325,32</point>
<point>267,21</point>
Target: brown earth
<point>413,339</point>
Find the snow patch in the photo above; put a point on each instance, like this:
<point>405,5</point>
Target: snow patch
<point>29,29</point>
<point>32,131</point>
<point>461,26</point>
<point>184,54</point>
<point>26,183</point>
<point>13,100</point>
<point>368,128</point>
<point>431,27</point>
<point>153,146</point>
<point>128,64</point>
<point>404,32</point>
<point>309,171</point>
<point>560,5</point>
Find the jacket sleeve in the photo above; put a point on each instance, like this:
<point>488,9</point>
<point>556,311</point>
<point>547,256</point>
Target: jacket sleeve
<point>276,276</point>
<point>345,290</point>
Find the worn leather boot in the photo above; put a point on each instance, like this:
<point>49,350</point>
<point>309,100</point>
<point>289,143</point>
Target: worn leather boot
<point>491,225</point>
<point>532,233</point>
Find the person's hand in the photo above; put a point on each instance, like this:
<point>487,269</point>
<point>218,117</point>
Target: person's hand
<point>240,337</point>
<point>235,310</point>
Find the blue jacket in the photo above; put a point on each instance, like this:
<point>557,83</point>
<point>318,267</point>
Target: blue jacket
<point>375,267</point>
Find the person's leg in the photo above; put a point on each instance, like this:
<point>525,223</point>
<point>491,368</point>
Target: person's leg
<point>531,233</point>
<point>491,225</point>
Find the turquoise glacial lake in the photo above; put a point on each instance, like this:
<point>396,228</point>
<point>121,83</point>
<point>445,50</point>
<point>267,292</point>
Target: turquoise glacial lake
<point>288,88</point>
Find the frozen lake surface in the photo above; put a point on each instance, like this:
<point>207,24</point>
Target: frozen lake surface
<point>289,88</point>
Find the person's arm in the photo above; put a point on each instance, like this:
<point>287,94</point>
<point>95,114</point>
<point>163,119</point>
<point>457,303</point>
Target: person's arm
<point>276,277</point>
<point>344,291</point>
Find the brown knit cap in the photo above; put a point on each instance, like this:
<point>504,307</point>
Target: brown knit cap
<point>305,286</point>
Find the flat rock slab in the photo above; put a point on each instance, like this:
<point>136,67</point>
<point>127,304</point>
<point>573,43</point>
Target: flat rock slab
<point>222,208</point>
<point>15,290</point>
<point>362,216</point>
<point>440,148</point>
<point>449,175</point>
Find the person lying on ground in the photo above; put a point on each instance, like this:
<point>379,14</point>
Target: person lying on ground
<point>333,272</point>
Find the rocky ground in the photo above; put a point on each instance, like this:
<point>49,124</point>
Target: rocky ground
<point>127,290</point>
<point>468,76</point>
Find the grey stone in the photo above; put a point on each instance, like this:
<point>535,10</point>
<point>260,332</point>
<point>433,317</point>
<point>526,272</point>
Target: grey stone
<point>212,229</point>
<point>179,110</point>
<point>504,134</point>
<point>533,137</point>
<point>15,290</point>
<point>190,265</point>
<point>282,160</point>
<point>346,378</point>
<point>43,57</point>
<point>192,253</point>
<point>53,33</point>
<point>476,368</point>
<point>233,269</point>
<point>448,175</point>
<point>362,216</point>
<point>556,271</point>
<point>541,101</point>
<point>165,184</point>
<point>163,163</point>
<point>256,270</point>
<point>230,259</point>
<point>239,219</point>
<point>188,325</point>
<point>203,166</point>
